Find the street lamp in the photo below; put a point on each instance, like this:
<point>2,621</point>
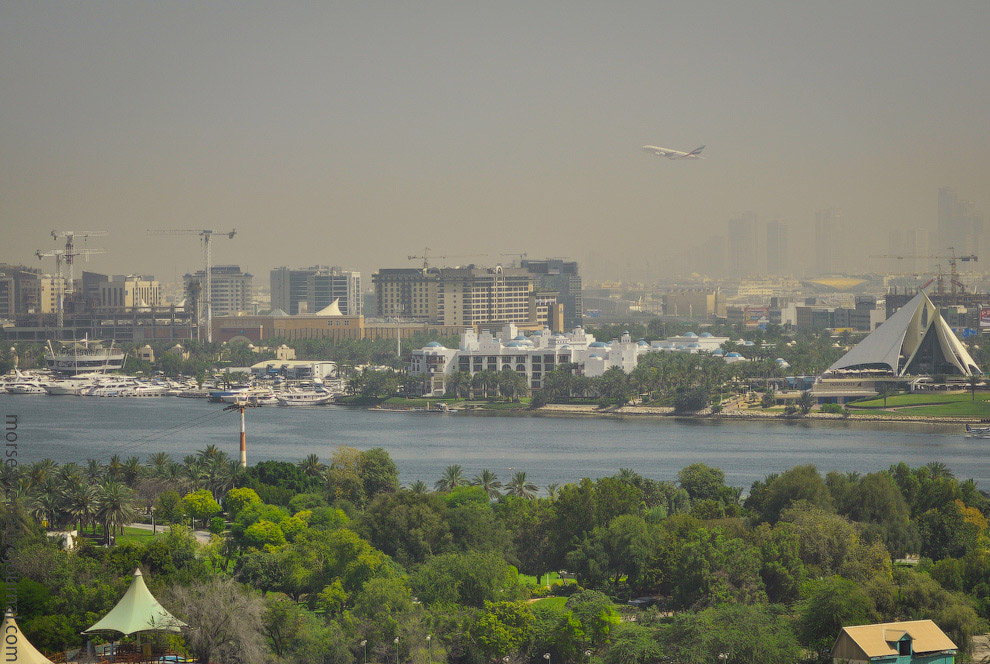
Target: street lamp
<point>429,647</point>
<point>364,644</point>
<point>546,656</point>
<point>396,650</point>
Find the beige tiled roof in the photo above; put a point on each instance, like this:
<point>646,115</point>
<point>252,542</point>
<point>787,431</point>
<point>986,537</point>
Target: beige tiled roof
<point>875,640</point>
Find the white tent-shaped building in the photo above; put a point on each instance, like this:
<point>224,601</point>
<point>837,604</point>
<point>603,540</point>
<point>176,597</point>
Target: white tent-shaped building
<point>17,649</point>
<point>914,341</point>
<point>332,309</point>
<point>137,611</point>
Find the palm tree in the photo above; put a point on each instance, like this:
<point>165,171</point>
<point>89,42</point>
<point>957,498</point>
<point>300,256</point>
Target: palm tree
<point>453,476</point>
<point>131,470</point>
<point>520,487</point>
<point>419,486</point>
<point>937,470</point>
<point>37,472</point>
<point>311,466</point>
<point>552,489</point>
<point>488,481</point>
<point>115,508</point>
<point>973,381</point>
<point>80,503</point>
<point>94,471</point>
<point>115,468</point>
<point>158,462</point>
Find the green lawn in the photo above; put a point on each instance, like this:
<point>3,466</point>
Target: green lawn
<point>922,399</point>
<point>557,602</point>
<point>530,580</point>
<point>975,409</point>
<point>138,535</point>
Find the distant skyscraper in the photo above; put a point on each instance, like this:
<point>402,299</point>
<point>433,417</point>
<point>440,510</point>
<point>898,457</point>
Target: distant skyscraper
<point>563,278</point>
<point>231,289</point>
<point>314,288</point>
<point>827,241</point>
<point>743,247</point>
<point>960,226</point>
<point>776,248</point>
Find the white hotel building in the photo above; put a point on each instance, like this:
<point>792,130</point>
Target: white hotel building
<point>540,353</point>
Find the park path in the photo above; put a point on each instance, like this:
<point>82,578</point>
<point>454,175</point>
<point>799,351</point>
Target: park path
<point>202,536</point>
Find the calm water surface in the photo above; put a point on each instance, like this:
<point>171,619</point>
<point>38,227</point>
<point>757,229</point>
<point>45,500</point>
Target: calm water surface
<point>549,449</point>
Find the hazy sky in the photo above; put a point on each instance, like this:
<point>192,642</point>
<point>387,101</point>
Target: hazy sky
<point>357,133</point>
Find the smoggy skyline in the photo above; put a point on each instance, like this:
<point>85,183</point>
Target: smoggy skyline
<point>356,134</point>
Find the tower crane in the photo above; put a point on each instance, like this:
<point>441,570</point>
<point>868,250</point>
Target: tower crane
<point>952,259</point>
<point>62,256</point>
<point>70,237</point>
<point>427,256</point>
<point>205,236</point>
<point>521,256</point>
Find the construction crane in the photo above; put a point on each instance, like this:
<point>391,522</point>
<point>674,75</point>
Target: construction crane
<point>521,256</point>
<point>70,237</point>
<point>205,236</point>
<point>953,261</point>
<point>62,256</point>
<point>427,256</point>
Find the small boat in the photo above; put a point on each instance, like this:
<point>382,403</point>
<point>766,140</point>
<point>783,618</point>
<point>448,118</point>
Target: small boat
<point>193,394</point>
<point>217,396</point>
<point>977,432</point>
<point>307,398</point>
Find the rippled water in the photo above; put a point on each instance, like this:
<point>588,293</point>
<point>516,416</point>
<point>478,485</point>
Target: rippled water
<point>548,448</point>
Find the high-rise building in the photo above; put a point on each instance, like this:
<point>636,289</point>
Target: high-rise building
<point>960,225</point>
<point>563,278</point>
<point>743,247</point>
<point>129,292</point>
<point>407,293</point>
<point>828,235</point>
<point>465,296</point>
<point>310,289</point>
<point>776,248</point>
<point>325,286</point>
<point>475,296</point>
<point>231,289</point>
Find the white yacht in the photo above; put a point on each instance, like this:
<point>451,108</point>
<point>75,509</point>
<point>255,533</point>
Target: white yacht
<point>144,390</point>
<point>73,385</point>
<point>304,398</point>
<point>26,387</point>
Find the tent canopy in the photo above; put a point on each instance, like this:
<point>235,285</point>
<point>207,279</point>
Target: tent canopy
<point>16,646</point>
<point>137,611</point>
<point>333,309</point>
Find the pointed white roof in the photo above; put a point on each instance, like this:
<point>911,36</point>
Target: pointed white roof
<point>137,611</point>
<point>17,646</point>
<point>897,341</point>
<point>332,310</point>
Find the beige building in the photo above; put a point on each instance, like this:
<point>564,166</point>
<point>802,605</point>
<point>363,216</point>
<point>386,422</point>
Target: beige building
<point>130,291</point>
<point>257,329</point>
<point>407,293</point>
<point>698,303</point>
<point>476,296</point>
<point>39,295</point>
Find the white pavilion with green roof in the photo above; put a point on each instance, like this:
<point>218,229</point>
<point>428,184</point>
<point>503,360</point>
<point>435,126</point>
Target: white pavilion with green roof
<point>137,611</point>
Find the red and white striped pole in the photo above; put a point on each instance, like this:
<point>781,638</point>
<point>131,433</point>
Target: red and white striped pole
<point>243,441</point>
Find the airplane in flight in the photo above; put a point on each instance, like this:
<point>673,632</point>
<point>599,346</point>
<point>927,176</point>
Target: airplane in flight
<point>674,154</point>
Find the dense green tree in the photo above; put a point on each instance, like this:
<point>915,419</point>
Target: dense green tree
<point>378,473</point>
<point>701,482</point>
<point>778,492</point>
<point>828,605</point>
<point>733,633</point>
<point>407,526</point>
<point>471,578</point>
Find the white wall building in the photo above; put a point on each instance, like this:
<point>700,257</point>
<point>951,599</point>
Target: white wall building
<point>540,353</point>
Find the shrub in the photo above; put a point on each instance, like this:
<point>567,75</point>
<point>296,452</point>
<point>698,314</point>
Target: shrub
<point>217,525</point>
<point>832,408</point>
